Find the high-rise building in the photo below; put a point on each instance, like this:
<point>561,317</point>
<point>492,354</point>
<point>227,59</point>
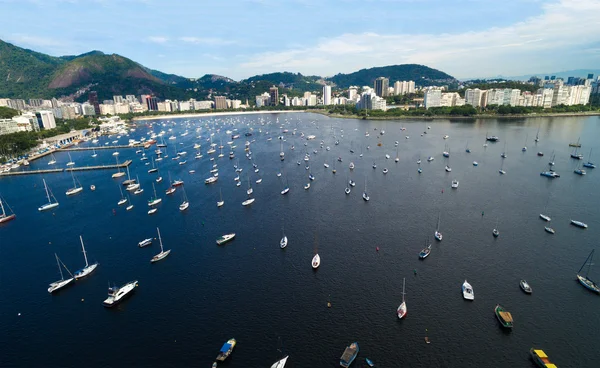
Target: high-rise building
<point>590,76</point>
<point>131,98</point>
<point>274,96</point>
<point>473,97</point>
<point>433,98</point>
<point>220,103</point>
<point>152,103</point>
<point>381,86</point>
<point>352,93</point>
<point>35,102</point>
<point>45,119</point>
<point>411,86</point>
<point>326,95</point>
<point>92,99</point>
<point>118,99</point>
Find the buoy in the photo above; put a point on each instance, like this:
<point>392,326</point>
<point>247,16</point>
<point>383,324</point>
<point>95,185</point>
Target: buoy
<point>328,304</point>
<point>18,314</point>
<point>377,249</point>
<point>82,300</point>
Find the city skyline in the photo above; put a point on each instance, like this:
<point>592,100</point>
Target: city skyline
<point>465,39</point>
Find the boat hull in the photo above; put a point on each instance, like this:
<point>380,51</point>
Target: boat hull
<point>7,218</point>
<point>588,284</point>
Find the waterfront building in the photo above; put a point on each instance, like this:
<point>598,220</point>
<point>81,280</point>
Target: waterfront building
<point>433,98</point>
<point>220,103</point>
<point>381,86</point>
<point>326,95</point>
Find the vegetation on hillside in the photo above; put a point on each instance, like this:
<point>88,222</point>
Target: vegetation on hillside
<point>7,112</point>
<point>421,74</point>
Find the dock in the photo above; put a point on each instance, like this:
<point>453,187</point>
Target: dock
<point>80,168</point>
<point>97,148</point>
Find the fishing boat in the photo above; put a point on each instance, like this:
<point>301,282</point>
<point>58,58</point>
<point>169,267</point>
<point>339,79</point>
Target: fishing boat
<point>425,252</point>
<point>154,200</point>
<point>579,224</point>
<point>221,202</point>
<point>504,316</point>
<point>50,204</point>
<point>185,203</point>
<point>76,189</point>
<point>540,358</point>
<point>4,217</point>
<point>467,291</point>
<point>280,363</point>
<point>145,242</point>
<point>402,310</point>
<point>163,254</point>
<point>89,268</point>
<point>316,261</point>
<point>117,294</point>
<point>438,235</point>
<point>454,184</point>
<point>525,287</point>
<point>349,355</point>
<point>225,238</point>
<point>226,350</point>
<point>585,280</point>
<point>62,282</point>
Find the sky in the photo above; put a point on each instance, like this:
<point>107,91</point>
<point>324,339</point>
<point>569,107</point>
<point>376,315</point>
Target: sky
<point>242,38</point>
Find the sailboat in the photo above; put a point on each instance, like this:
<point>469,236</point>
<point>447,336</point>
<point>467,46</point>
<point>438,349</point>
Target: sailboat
<point>185,204</point>
<point>585,280</point>
<point>221,202</point>
<point>310,177</point>
<point>128,181</point>
<point>501,171</point>
<point>401,311</point>
<point>503,154</point>
<point>284,240</point>
<point>590,164</point>
<point>130,206</point>
<point>119,173</point>
<point>495,232</point>
<point>365,195</point>
<point>138,186</point>
<point>280,363</point>
<point>50,204</point>
<point>94,154</point>
<point>153,169</point>
<point>154,200</point>
<point>123,200</point>
<point>286,188</point>
<point>52,160</point>
<point>281,153</point>
<point>467,291</point>
<point>70,163</point>
<point>316,261</point>
<point>76,189</point>
<point>250,190</point>
<point>542,215</point>
<point>162,253</point>
<point>537,135</point>
<point>3,216</point>
<point>438,235</point>
<point>467,149</point>
<point>89,268</point>
<point>62,282</point>
<point>524,149</point>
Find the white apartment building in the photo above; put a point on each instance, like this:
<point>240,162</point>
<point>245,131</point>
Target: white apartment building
<point>326,95</point>
<point>433,98</point>
<point>184,106</point>
<point>45,119</point>
<point>353,93</point>
<point>473,97</point>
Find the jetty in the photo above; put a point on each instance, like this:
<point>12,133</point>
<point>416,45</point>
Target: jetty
<point>80,168</point>
<point>97,148</point>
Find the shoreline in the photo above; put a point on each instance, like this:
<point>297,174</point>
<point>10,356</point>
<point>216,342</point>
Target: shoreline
<point>193,115</point>
<point>451,117</point>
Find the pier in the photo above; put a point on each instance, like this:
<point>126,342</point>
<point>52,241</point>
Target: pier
<point>80,168</point>
<point>97,148</point>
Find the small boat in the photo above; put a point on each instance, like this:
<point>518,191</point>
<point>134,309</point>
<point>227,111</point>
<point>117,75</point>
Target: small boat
<point>89,268</point>
<point>226,350</point>
<point>247,202</point>
<point>438,235</point>
<point>454,184</point>
<point>549,230</point>
<point>349,355</point>
<point>540,153</point>
<point>50,204</point>
<point>152,211</point>
<point>283,242</point>
<point>285,190</point>
<point>425,252</point>
<point>4,217</point>
<point>467,291</point>
<point>525,286</point>
<point>92,187</point>
<point>545,217</point>
<point>221,202</point>
<point>159,179</point>
<point>225,238</point>
<point>475,163</point>
<point>496,233</point>
<point>540,358</point>
<point>278,364</point>
<point>504,317</point>
<point>579,224</point>
<point>448,168</point>
<point>402,310</point>
<point>163,254</point>
<point>492,138</point>
<point>145,242</point>
<point>579,171</point>
<point>326,165</point>
<point>154,200</point>
<point>369,362</point>
<point>590,164</point>
<point>62,282</point>
<point>585,280</point>
<point>117,294</point>
<point>385,170</point>
<point>316,261</point>
<point>430,158</point>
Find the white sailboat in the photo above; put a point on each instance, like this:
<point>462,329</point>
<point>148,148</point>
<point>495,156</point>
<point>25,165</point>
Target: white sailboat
<point>402,310</point>
<point>280,363</point>
<point>185,204</point>
<point>316,261</point>
<point>123,200</point>
<point>4,217</point>
<point>438,234</point>
<point>284,240</point>
<point>52,160</point>
<point>89,268</point>
<point>221,202</point>
<point>71,162</point>
<point>154,200</point>
<point>162,253</point>
<point>50,204</point>
<point>62,282</point>
<point>94,154</point>
<point>119,173</point>
<point>365,195</point>
<point>76,189</point>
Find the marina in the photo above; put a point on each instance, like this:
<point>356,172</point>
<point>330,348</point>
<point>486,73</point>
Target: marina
<point>367,250</point>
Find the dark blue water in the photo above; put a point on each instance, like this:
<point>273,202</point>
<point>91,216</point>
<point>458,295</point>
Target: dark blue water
<point>187,305</point>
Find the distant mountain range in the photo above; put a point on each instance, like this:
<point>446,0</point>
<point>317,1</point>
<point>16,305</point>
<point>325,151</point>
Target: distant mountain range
<point>29,74</point>
<point>581,73</point>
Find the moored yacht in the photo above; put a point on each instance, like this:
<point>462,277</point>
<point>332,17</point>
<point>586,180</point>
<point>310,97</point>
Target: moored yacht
<point>349,355</point>
<point>316,261</point>
<point>226,350</point>
<point>467,291</point>
<point>62,282</point>
<point>225,238</point>
<point>89,268</point>
<point>117,294</point>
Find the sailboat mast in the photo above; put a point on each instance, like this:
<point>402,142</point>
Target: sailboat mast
<point>84,253</point>
<point>59,268</point>
<point>47,193</point>
<point>2,207</point>
<point>160,240</point>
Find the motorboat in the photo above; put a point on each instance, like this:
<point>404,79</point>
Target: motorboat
<point>349,354</point>
<point>454,184</point>
<point>316,261</point>
<point>117,294</point>
<point>226,350</point>
<point>579,224</point>
<point>225,238</point>
<point>525,286</point>
<point>145,242</point>
<point>467,291</point>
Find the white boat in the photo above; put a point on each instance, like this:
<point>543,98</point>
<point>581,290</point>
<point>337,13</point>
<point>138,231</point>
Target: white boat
<point>52,160</point>
<point>221,202</point>
<point>455,184</point>
<point>579,224</point>
<point>316,261</point>
<point>280,363</point>
<point>211,179</point>
<point>284,240</point>
<point>117,294</point>
<point>438,234</point>
<point>89,268</point>
<point>402,310</point>
<point>247,202</point>
<point>163,254</point>
<point>365,195</point>
<point>152,211</point>
<point>50,204</point>
<point>154,200</point>
<point>185,204</point>
<point>70,163</point>
<point>76,189</point>
<point>448,169</point>
<point>549,230</point>
<point>545,217</point>
<point>326,165</point>
<point>4,217</point>
<point>467,291</point>
<point>145,242</point>
<point>430,158</point>
<point>62,282</point>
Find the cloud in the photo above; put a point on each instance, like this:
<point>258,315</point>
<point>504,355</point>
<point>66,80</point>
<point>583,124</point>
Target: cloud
<point>206,40</point>
<point>562,30</point>
<point>157,39</point>
<point>35,41</point>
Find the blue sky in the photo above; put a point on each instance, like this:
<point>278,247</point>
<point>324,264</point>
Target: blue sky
<point>241,38</point>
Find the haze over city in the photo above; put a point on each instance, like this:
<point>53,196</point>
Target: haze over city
<point>241,38</point>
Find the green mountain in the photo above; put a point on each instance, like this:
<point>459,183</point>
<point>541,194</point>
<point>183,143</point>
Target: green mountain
<point>290,80</point>
<point>421,74</point>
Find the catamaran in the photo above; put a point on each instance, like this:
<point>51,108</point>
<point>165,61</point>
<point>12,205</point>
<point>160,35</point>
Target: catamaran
<point>402,310</point>
<point>89,268</point>
<point>585,280</point>
<point>3,216</point>
<point>76,189</point>
<point>62,282</point>
<point>163,254</point>
<point>50,204</point>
